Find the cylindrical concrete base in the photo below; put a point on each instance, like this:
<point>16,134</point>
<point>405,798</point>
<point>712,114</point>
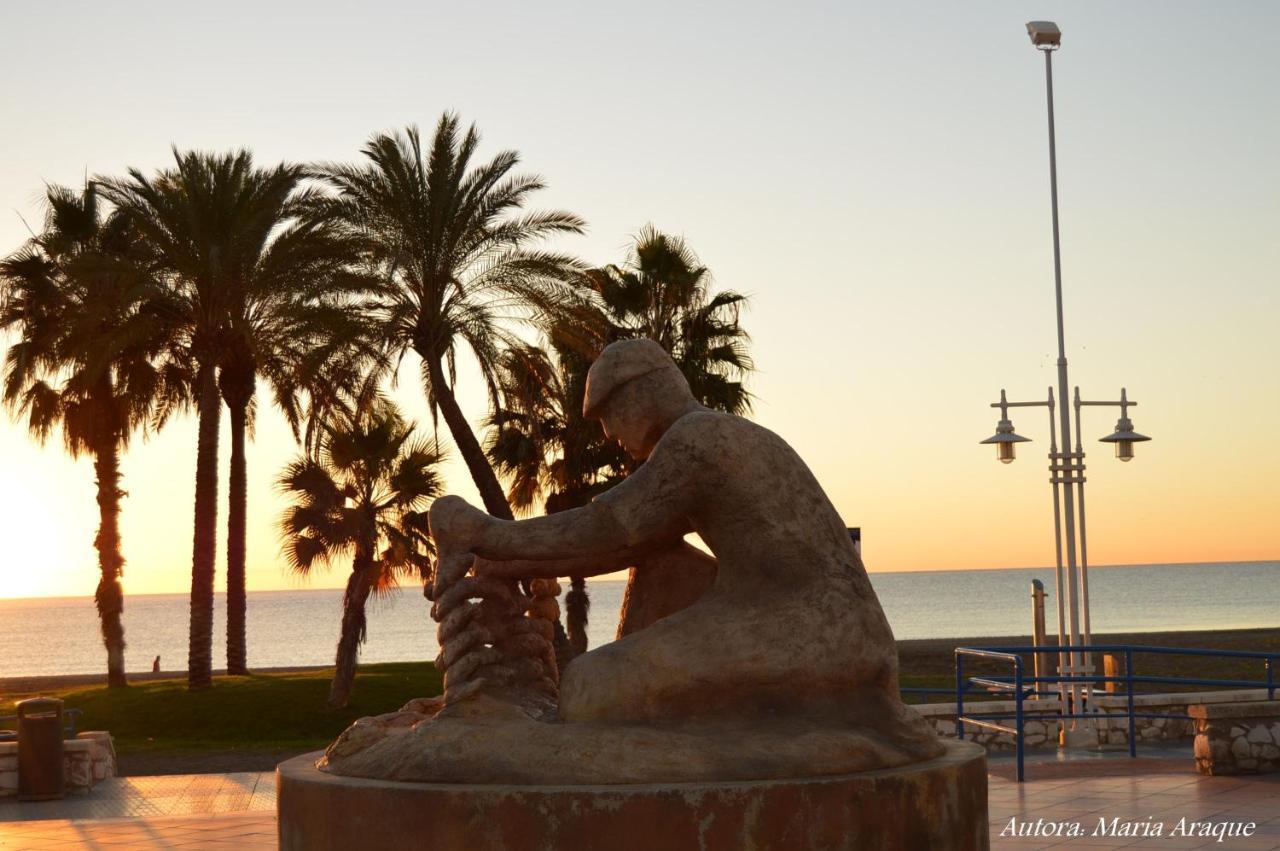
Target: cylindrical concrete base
<point>940,804</point>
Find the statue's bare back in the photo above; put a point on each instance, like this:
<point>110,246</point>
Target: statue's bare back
<point>791,616</point>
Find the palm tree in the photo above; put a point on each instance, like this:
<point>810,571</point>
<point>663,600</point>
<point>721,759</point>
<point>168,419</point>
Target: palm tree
<point>663,292</point>
<point>453,240</point>
<point>249,275</point>
<point>79,299</point>
<point>285,326</point>
<point>365,494</point>
<point>538,438</point>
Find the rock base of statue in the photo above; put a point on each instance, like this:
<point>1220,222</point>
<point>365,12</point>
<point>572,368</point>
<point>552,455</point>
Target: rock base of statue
<point>937,804</point>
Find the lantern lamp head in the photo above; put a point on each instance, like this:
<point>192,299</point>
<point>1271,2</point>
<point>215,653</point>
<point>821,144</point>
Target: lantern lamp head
<point>1005,440</point>
<point>1124,437</point>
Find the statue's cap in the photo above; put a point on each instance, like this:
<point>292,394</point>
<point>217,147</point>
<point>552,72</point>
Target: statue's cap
<point>620,362</point>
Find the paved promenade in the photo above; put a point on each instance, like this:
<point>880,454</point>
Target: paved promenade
<point>1130,806</point>
<point>163,811</point>
<point>154,797</point>
<point>238,810</point>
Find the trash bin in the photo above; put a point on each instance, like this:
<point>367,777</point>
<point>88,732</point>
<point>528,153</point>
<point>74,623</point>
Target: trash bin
<point>40,749</point>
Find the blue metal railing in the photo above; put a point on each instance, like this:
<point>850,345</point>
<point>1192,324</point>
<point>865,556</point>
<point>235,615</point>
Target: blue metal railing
<point>1020,687</point>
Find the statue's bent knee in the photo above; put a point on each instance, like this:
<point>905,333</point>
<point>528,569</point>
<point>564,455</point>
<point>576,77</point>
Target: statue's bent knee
<point>592,688</point>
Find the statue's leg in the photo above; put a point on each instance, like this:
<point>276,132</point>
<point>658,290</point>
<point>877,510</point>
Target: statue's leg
<point>663,583</point>
<point>716,658</point>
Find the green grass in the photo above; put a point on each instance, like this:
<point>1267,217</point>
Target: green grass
<point>931,663</point>
<point>287,711</point>
<point>258,712</point>
<point>943,682</point>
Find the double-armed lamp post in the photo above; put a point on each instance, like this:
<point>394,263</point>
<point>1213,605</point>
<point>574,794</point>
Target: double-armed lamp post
<point>1066,465</point>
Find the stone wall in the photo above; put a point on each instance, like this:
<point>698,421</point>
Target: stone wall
<point>87,760</point>
<point>1237,738</point>
<point>1112,727</point>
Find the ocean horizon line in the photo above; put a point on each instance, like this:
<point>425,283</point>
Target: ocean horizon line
<point>596,580</point>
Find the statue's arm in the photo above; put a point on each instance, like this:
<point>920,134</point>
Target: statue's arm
<point>526,568</point>
<point>584,566</point>
<point>650,509</point>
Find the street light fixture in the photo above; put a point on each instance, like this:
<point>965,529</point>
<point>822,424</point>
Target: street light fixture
<point>1045,35</point>
<point>1124,436</point>
<point>1066,467</point>
<point>1005,439</point>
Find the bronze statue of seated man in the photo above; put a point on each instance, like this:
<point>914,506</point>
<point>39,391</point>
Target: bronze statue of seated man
<point>785,666</point>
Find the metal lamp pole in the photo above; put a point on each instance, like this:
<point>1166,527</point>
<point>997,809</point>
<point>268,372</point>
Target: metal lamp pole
<point>1066,466</point>
<point>1065,471</point>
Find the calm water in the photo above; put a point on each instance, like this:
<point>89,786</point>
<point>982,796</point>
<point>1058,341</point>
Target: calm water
<point>60,636</point>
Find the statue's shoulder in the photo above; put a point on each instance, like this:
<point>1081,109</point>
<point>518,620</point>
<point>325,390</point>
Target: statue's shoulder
<point>706,429</point>
<point>702,420</point>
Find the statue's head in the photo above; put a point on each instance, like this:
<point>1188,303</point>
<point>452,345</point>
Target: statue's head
<point>636,391</point>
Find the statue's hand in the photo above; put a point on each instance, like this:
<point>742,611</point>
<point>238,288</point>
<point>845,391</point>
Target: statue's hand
<point>457,526</point>
<point>450,568</point>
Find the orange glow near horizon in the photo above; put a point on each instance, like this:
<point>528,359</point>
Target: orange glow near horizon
<point>953,507</point>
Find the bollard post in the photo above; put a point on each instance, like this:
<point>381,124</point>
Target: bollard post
<point>1037,631</point>
<point>1111,670</point>
<point>1128,682</point>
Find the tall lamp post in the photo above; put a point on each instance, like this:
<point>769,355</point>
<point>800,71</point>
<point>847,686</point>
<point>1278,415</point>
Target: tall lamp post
<point>1066,466</point>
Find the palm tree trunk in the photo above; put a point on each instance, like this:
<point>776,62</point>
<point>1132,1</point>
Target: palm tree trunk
<point>110,595</point>
<point>495,501</point>
<point>577,608</point>
<point>352,634</point>
<point>204,546</point>
<point>236,513</point>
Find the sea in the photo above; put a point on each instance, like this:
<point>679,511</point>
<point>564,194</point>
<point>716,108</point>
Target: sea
<point>44,636</point>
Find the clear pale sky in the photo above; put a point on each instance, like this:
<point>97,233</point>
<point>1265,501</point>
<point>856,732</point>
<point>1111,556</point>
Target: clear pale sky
<point>874,175</point>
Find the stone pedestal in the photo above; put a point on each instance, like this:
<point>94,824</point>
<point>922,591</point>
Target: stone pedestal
<point>940,804</point>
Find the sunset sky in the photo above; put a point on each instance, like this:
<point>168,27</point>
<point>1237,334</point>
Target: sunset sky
<point>875,176</point>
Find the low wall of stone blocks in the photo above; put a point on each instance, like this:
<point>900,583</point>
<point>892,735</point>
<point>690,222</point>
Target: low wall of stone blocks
<point>87,760</point>
<point>1237,738</point>
<point>1111,724</point>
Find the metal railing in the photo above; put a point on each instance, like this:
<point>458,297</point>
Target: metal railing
<point>1021,687</point>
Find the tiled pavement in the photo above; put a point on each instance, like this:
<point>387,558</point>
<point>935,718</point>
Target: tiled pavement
<point>238,810</point>
<point>163,811</point>
<point>155,796</point>
<point>1086,794</point>
<point>250,831</point>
